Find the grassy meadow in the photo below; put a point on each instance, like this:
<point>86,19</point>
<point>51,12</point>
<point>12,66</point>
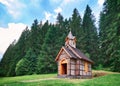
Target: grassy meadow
<point>109,79</point>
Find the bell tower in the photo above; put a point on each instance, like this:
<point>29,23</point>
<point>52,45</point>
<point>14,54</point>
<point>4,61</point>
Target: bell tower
<point>70,40</point>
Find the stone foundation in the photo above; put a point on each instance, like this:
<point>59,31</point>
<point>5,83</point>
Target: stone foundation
<point>74,77</point>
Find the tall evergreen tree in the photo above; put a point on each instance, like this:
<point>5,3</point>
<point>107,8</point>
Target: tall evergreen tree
<point>60,19</point>
<point>90,40</point>
<point>22,67</point>
<point>34,37</point>
<point>103,35</point>
<point>76,28</point>
<point>46,63</point>
<point>14,53</point>
<point>109,34</point>
<point>75,22</point>
<point>6,60</point>
<point>61,30</point>
<point>43,31</point>
<point>19,51</point>
<point>28,64</point>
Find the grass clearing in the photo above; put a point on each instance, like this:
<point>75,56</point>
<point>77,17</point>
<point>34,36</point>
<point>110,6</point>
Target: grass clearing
<point>111,79</point>
<point>4,80</point>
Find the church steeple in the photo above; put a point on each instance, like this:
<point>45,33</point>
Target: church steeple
<point>70,40</point>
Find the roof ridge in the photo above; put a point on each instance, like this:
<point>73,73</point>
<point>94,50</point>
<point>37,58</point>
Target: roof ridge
<point>67,52</point>
<point>74,51</point>
<point>63,48</point>
<point>77,54</point>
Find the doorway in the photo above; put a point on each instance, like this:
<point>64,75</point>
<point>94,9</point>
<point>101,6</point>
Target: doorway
<point>64,69</point>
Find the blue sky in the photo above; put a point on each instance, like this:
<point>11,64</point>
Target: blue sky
<point>15,15</point>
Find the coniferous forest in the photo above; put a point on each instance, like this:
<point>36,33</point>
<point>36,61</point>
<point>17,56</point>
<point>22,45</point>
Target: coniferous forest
<point>36,49</point>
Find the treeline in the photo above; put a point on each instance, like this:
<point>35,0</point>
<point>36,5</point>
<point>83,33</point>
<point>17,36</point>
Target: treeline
<point>109,35</point>
<point>36,49</point>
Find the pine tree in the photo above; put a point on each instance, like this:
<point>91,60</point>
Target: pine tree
<point>109,34</point>
<point>31,57</point>
<point>76,28</point>
<point>75,22</point>
<point>34,40</point>
<point>6,60</point>
<point>19,51</point>
<point>46,63</point>
<point>22,67</point>
<point>90,37</point>
<point>28,64</point>
<point>61,31</point>
<point>14,53</point>
<point>60,19</point>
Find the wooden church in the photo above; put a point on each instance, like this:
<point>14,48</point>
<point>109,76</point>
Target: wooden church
<point>72,63</point>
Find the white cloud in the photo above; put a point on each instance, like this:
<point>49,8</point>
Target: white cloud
<point>51,16</point>
<point>13,7</point>
<point>63,7</point>
<point>58,10</point>
<point>96,10</point>
<point>47,15</point>
<point>8,35</point>
<point>100,2</point>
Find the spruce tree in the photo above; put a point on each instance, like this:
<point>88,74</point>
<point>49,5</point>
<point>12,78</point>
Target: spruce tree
<point>22,67</point>
<point>14,53</point>
<point>61,31</point>
<point>76,28</point>
<point>90,40</point>
<point>46,63</point>
<point>6,60</point>
<point>28,64</point>
<point>75,22</point>
<point>109,34</point>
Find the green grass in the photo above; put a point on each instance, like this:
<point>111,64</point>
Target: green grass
<point>7,80</point>
<point>112,79</point>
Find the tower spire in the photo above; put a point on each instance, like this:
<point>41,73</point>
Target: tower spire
<point>70,40</point>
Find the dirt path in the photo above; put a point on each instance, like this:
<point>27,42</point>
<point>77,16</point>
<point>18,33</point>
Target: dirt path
<point>36,80</point>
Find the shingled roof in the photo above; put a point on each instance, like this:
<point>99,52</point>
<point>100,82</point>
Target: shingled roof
<point>81,55</point>
<point>76,53</point>
<point>72,55</point>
